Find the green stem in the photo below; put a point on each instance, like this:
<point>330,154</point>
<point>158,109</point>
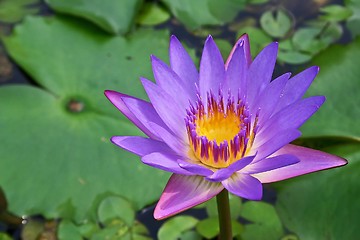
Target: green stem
<point>224,215</point>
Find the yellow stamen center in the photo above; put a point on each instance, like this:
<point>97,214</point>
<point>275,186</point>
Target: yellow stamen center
<point>220,135</point>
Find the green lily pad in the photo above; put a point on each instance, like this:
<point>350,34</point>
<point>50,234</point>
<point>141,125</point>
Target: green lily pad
<point>152,14</point>
<point>276,23</point>
<point>335,13</point>
<point>68,230</point>
<point>354,21</point>
<point>195,14</point>
<point>288,53</point>
<point>317,37</point>
<point>265,220</point>
<point>174,227</point>
<point>55,146</point>
<point>116,207</point>
<point>116,17</point>
<point>338,80</point>
<point>324,205</point>
<point>12,11</point>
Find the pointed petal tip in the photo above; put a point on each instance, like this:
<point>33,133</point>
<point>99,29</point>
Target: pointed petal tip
<point>209,39</point>
<point>109,93</point>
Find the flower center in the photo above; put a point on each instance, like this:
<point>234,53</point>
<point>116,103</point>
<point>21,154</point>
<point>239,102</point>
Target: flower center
<point>220,135</point>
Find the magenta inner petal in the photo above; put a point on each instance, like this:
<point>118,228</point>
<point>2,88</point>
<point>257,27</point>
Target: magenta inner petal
<point>183,192</point>
<point>244,42</point>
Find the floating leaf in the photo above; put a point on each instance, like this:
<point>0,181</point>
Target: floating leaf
<point>175,226</point>
<point>113,16</point>
<point>335,13</point>
<point>338,80</point>
<point>12,11</point>
<point>324,205</point>
<point>87,229</point>
<point>209,227</point>
<point>68,230</point>
<point>288,53</point>
<point>266,223</point>
<point>276,23</point>
<point>59,136</point>
<point>116,207</point>
<point>117,231</point>
<point>195,14</point>
<point>353,22</point>
<point>152,14</point>
<point>316,37</point>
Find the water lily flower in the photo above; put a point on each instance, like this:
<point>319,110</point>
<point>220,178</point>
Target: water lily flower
<point>225,126</point>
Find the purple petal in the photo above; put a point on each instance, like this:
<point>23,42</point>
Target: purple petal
<point>172,141</point>
<point>183,192</point>
<point>172,84</point>
<point>212,70</point>
<point>244,42</point>
<point>164,105</point>
<point>310,161</point>
<point>291,117</point>
<point>271,163</point>
<point>195,168</point>
<point>236,73</point>
<point>147,111</point>
<point>296,87</point>
<point>260,71</point>
<point>244,186</point>
<point>182,64</point>
<point>269,97</point>
<point>225,173</point>
<point>164,161</point>
<point>274,144</point>
<point>139,145</point>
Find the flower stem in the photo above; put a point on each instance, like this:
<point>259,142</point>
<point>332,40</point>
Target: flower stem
<point>224,215</point>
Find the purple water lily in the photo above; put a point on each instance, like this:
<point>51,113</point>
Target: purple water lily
<point>226,126</point>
